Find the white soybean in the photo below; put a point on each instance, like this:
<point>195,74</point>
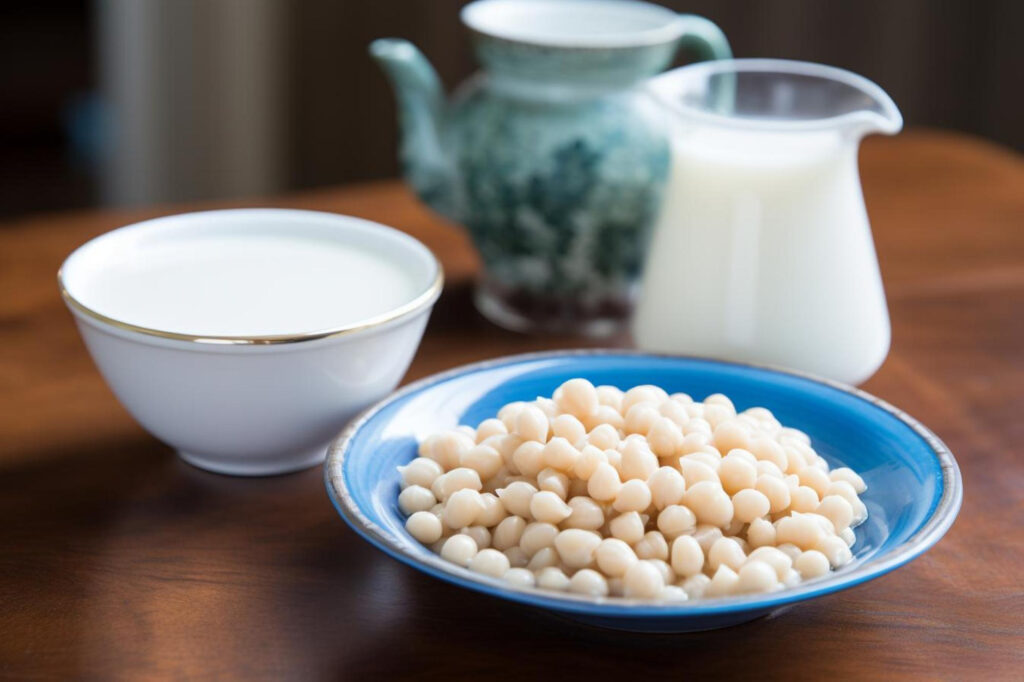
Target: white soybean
<point>653,545</point>
<point>536,536</point>
<point>553,481</point>
<point>520,577</point>
<point>802,531</point>
<point>736,472</point>
<point>422,471</point>
<point>604,484</point>
<point>603,437</point>
<point>849,476</point>
<point>516,497</point>
<point>848,536</point>
<point>483,459</point>
<point>665,437</point>
<point>415,498</point>
<point>756,576</point>
<point>628,527</point>
<point>816,479</point>
<point>731,434</point>
<point>447,449</point>
<point>835,550</point>
<point>489,562</point>
<point>568,427</point>
<point>811,564</point>
<point>789,549</point>
<point>724,583</point>
<point>673,594</point>
<point>457,479</point>
<point>706,535</point>
<point>727,552</point>
<point>667,574</point>
<point>532,424</point>
<point>687,557</point>
<point>508,533</point>
<point>549,507</point>
<point>749,504</point>
<point>776,490</point>
<point>639,419</point>
<point>610,395</point>
<point>560,454</point>
<point>694,471</point>
<point>667,487</point>
<point>462,508</point>
<point>761,533</point>
<point>577,397</point>
<point>643,580</point>
<point>803,499</point>
<point>638,461</point>
<point>710,503</point>
<point>459,549</point>
<point>696,585</point>
<point>589,582</point>
<point>634,495</point>
<point>585,513</point>
<point>614,557</point>
<point>675,520</point>
<point>837,510</point>
<point>586,463</point>
<point>774,557</point>
<point>490,427</point>
<point>516,557</point>
<point>544,558</point>
<point>493,511</point>
<point>481,535</point>
<point>641,394</point>
<point>424,526</point>
<point>577,547</point>
<point>552,578</point>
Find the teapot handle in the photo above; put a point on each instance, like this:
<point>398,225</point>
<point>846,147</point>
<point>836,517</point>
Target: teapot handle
<point>704,38</point>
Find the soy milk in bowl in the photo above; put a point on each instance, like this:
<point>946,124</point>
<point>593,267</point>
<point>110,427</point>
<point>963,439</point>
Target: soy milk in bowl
<point>763,251</point>
<point>246,339</point>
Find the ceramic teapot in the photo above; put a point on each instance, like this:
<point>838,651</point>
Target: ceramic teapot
<point>552,157</point>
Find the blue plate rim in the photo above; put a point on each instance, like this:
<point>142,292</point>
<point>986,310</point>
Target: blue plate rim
<point>930,531</point>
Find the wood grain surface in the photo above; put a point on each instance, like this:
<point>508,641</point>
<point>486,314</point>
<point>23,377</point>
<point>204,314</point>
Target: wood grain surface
<point>118,561</point>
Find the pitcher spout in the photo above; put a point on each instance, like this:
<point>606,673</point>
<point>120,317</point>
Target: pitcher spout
<point>879,114</point>
<point>420,99</point>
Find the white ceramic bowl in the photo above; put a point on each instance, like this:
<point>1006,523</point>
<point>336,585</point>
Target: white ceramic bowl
<point>258,404</point>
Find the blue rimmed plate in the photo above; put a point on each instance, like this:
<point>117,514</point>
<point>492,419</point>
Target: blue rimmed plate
<point>914,487</point>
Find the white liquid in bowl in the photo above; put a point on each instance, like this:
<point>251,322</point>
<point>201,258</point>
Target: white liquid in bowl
<point>248,277</point>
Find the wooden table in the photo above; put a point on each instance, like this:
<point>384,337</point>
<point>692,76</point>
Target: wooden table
<point>117,560</point>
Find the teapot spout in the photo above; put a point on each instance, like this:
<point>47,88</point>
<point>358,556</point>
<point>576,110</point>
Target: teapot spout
<point>420,99</point>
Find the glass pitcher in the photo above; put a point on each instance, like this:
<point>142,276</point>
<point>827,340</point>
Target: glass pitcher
<point>762,251</point>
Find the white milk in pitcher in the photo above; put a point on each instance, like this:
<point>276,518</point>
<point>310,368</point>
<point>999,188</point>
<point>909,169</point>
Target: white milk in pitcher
<point>763,253</point>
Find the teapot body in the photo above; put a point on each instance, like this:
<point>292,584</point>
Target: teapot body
<point>559,191</point>
<point>553,158</point>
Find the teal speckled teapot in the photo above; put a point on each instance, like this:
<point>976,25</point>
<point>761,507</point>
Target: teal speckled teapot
<point>553,158</point>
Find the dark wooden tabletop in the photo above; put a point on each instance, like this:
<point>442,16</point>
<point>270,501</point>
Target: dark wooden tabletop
<point>119,561</point>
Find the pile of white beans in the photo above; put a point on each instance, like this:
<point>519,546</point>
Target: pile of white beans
<point>637,494</point>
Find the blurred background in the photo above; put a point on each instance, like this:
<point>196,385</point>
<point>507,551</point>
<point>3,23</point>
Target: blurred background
<point>121,102</point>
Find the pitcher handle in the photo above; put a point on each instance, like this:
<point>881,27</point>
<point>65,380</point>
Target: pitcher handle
<point>704,38</point>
